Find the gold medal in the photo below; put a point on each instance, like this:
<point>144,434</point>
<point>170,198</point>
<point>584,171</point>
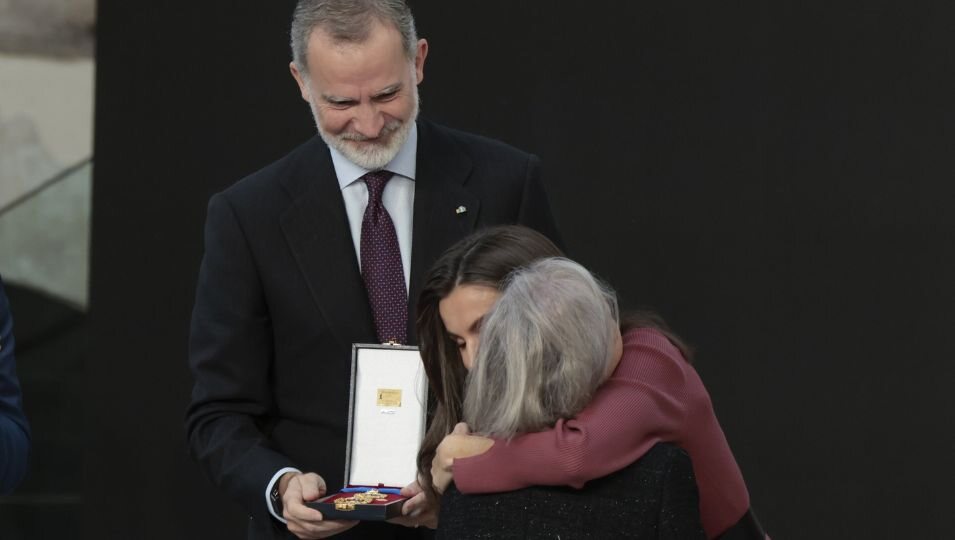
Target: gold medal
<point>347,504</point>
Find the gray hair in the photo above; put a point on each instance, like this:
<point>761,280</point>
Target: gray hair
<point>349,21</point>
<point>544,349</point>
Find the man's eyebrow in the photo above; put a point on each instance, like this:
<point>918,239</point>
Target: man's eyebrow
<point>337,99</point>
<point>391,89</point>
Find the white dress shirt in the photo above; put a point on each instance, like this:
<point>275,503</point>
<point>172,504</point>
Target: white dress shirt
<point>398,199</point>
<point>398,196</point>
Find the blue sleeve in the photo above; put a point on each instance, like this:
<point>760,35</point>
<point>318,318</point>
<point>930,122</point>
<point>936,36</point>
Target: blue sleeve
<point>14,430</point>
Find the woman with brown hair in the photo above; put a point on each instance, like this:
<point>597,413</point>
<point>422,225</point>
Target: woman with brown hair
<point>654,395</point>
<point>550,340</point>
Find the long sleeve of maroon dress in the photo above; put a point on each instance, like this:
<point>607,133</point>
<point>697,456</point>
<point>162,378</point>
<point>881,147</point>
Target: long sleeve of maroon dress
<point>653,396</point>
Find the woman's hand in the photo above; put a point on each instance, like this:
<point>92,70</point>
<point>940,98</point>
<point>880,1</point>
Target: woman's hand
<point>418,509</point>
<point>458,444</point>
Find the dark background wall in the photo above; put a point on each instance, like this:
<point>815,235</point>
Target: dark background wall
<point>774,177</point>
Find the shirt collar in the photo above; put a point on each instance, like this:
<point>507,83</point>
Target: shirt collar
<point>403,163</point>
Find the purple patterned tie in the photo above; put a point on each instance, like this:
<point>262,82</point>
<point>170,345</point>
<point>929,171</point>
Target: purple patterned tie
<point>381,264</point>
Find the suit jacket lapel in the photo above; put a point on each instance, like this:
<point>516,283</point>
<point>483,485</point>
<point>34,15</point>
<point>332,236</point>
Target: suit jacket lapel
<point>439,220</point>
<point>316,228</point>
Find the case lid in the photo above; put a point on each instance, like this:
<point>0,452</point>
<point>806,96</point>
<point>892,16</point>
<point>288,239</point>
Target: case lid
<point>389,392</point>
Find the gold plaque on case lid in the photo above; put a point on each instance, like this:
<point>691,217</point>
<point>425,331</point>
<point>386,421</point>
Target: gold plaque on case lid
<point>389,397</point>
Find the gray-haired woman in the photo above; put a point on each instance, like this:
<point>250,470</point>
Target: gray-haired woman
<point>551,338</point>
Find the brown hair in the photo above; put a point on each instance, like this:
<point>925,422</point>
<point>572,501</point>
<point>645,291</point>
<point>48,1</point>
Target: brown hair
<point>486,257</point>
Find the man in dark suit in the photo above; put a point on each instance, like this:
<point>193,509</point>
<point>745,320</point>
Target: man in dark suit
<point>323,249</point>
<point>14,430</point>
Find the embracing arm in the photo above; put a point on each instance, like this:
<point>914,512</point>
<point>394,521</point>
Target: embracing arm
<point>230,350</point>
<point>645,401</point>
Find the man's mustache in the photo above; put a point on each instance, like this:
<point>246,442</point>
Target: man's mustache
<point>388,129</point>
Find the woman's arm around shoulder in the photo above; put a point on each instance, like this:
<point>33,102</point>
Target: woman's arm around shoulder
<point>643,402</point>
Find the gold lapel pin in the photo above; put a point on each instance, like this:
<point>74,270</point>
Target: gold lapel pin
<point>460,210</point>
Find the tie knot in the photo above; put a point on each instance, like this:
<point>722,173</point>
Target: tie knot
<point>376,181</point>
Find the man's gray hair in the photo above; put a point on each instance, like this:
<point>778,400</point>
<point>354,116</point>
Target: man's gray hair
<point>349,21</point>
<point>544,349</point>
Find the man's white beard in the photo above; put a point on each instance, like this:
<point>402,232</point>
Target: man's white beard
<point>376,155</point>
